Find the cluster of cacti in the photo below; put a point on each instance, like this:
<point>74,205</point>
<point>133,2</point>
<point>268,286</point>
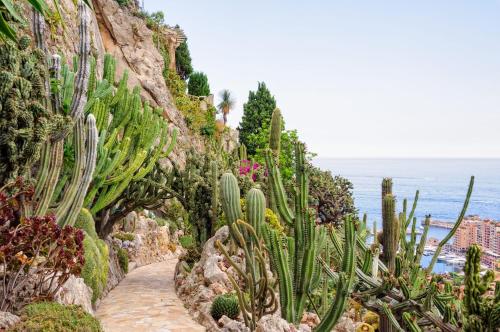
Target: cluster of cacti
<point>482,313</point>
<point>95,141</point>
<point>25,123</point>
<point>293,258</point>
<point>67,97</point>
<point>225,305</point>
<point>296,257</point>
<point>132,138</point>
<point>397,287</point>
<point>256,297</point>
<point>197,189</point>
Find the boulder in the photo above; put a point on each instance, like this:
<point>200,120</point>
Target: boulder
<point>273,323</point>
<point>75,291</point>
<point>231,325</point>
<point>7,320</point>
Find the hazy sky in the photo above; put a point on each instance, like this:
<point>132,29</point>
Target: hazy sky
<point>358,78</point>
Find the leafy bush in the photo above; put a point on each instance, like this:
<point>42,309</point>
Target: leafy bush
<point>54,317</point>
<point>183,61</point>
<point>333,196</point>
<point>198,84</point>
<point>34,251</point>
<point>95,270</point>
<point>122,259</point>
<point>124,236</point>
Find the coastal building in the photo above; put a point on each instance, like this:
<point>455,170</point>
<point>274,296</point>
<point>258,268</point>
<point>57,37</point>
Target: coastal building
<point>484,232</point>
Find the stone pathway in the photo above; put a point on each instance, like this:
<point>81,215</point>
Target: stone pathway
<point>146,301</point>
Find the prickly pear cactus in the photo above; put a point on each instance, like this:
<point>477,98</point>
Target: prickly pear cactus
<point>225,305</point>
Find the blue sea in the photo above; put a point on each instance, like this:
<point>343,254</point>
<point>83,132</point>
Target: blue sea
<point>442,184</point>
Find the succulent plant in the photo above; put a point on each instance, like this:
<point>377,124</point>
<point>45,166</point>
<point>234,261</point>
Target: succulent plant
<point>225,305</point>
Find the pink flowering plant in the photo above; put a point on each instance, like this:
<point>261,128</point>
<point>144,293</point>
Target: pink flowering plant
<point>251,169</point>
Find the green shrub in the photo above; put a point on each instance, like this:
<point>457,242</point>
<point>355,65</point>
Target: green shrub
<point>122,2</point>
<point>161,222</point>
<point>225,305</point>
<point>122,259</point>
<point>96,253</point>
<point>186,241</point>
<point>54,317</point>
<point>124,236</point>
<point>198,84</point>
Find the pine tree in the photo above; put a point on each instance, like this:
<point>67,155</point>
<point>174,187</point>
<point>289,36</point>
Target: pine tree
<point>257,112</point>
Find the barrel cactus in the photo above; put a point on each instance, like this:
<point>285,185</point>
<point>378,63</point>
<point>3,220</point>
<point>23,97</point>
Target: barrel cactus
<point>225,305</point>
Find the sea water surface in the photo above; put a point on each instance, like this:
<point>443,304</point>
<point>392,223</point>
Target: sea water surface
<point>442,184</point>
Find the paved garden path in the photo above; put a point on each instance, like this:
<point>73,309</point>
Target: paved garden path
<point>146,301</point>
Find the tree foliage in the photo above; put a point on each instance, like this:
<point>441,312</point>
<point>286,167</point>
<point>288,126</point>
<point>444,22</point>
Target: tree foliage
<point>226,104</point>
<point>183,61</point>
<point>257,112</point>
<point>332,195</point>
<point>198,84</point>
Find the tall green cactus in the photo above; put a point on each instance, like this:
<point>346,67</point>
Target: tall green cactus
<point>68,96</point>
<point>275,133</point>
<point>345,280</point>
<point>258,297</point>
<point>294,257</point>
<point>390,232</point>
<point>482,312</point>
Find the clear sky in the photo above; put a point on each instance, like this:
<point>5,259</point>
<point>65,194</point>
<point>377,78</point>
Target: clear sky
<point>358,78</point>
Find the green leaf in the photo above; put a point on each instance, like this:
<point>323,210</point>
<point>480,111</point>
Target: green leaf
<point>6,29</point>
<point>9,5</point>
<point>39,5</point>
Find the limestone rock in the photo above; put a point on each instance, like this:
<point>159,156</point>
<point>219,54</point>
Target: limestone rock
<point>75,291</point>
<point>345,324</point>
<point>7,320</point>
<point>273,323</point>
<point>310,319</point>
<point>231,325</point>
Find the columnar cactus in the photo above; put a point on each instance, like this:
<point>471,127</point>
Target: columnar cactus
<point>84,132</point>
<point>133,137</point>
<point>390,231</point>
<point>294,257</point>
<point>258,297</point>
<point>345,280</point>
<point>482,313</point>
<point>275,133</point>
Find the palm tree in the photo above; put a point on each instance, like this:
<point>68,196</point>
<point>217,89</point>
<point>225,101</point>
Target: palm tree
<point>226,104</point>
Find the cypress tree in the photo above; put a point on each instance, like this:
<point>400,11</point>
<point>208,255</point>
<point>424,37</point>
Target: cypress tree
<point>257,113</point>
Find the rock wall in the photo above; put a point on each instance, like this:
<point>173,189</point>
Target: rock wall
<point>117,31</point>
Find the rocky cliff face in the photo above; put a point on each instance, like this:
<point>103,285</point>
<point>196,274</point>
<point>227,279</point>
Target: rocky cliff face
<point>117,31</point>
